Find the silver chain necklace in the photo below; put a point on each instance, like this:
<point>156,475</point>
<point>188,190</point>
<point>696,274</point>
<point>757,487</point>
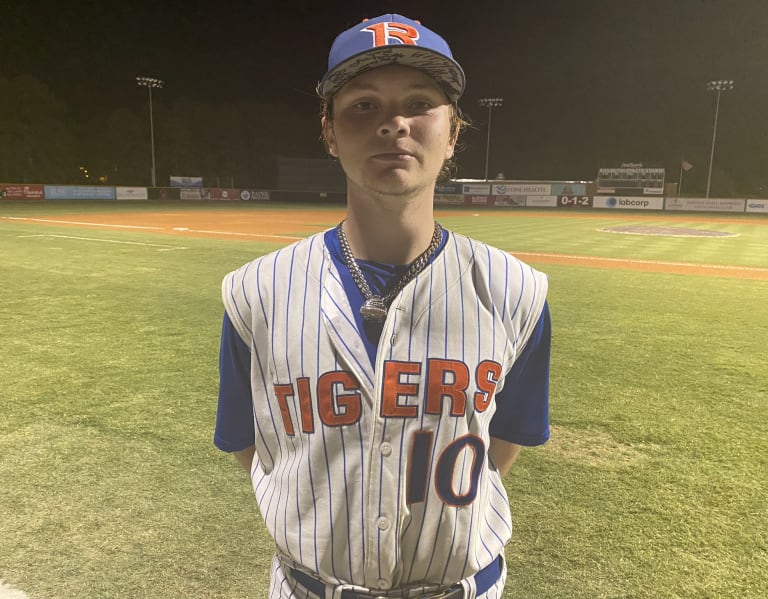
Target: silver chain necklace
<point>375,307</point>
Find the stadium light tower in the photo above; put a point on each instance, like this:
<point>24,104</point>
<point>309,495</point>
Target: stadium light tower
<point>151,83</point>
<point>719,86</point>
<point>490,104</point>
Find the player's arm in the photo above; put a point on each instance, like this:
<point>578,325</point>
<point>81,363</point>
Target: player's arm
<point>522,406</point>
<point>235,431</point>
<point>504,454</point>
<point>244,457</point>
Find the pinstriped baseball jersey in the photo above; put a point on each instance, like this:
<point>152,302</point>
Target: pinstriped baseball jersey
<point>378,474</point>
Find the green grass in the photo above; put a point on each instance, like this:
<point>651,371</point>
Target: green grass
<point>653,485</point>
<point>654,482</point>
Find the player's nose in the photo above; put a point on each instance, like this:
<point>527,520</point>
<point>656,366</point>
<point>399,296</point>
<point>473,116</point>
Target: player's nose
<point>394,125</point>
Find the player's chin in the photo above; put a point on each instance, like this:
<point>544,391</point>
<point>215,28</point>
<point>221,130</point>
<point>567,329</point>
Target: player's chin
<point>393,186</point>
<point>400,181</point>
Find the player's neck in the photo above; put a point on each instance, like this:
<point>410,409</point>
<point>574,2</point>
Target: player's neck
<point>381,233</point>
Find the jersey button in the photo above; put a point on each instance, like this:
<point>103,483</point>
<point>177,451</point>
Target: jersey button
<point>386,449</point>
<point>382,523</point>
<point>382,583</point>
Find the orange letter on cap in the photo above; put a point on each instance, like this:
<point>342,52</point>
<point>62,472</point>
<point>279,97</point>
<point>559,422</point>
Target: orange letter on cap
<point>383,32</point>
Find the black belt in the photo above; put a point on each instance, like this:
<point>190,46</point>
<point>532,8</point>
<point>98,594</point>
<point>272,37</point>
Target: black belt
<point>484,580</point>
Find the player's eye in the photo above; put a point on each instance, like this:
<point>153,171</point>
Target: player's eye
<point>363,106</point>
<point>421,105</point>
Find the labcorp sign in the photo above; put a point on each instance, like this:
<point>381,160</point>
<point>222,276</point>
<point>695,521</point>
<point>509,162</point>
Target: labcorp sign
<point>628,202</point>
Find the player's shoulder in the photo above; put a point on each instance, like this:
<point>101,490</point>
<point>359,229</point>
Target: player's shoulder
<point>511,285</point>
<point>275,260</point>
<point>485,255</point>
<point>258,275</point>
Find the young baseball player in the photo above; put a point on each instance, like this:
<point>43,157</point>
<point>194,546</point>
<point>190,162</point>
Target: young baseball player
<point>378,379</point>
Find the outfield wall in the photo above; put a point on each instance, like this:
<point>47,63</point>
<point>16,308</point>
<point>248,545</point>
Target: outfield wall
<point>558,195</point>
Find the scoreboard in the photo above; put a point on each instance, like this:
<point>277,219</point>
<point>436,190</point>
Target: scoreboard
<point>631,179</point>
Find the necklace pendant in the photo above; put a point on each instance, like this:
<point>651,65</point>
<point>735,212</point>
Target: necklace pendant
<point>374,309</point>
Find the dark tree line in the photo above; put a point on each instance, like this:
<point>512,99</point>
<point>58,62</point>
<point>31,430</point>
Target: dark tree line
<point>225,142</point>
<point>236,143</point>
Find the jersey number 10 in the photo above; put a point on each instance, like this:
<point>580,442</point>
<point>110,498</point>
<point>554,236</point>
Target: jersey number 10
<point>445,467</point>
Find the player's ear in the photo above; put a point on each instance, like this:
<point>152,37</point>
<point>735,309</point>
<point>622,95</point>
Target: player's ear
<point>450,148</point>
<point>455,129</point>
<point>328,136</point>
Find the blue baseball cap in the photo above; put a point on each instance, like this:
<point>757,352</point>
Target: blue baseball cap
<point>391,39</point>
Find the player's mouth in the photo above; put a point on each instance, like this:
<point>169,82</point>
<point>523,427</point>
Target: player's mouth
<point>394,157</point>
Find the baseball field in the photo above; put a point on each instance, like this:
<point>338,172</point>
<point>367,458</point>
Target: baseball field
<point>653,485</point>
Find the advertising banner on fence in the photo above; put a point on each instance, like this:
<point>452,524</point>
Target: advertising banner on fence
<point>220,193</point>
<point>628,202</point>
<point>254,195</point>
<point>541,201</point>
<point>131,193</point>
<point>705,204</point>
<point>478,200</point>
<point>453,199</point>
<point>13,191</point>
<point>521,189</point>
<point>757,206</point>
<point>476,189</point>
<point>191,193</point>
<point>78,192</point>
<point>448,188</point>
<point>509,201</point>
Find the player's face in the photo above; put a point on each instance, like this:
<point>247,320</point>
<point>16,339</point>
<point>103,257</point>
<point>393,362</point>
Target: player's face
<point>391,131</point>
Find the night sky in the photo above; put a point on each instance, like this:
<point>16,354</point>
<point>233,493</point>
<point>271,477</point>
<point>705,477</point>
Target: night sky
<point>585,83</point>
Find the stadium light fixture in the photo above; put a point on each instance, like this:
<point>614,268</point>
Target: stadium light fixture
<point>490,104</point>
<point>151,83</point>
<point>719,86</point>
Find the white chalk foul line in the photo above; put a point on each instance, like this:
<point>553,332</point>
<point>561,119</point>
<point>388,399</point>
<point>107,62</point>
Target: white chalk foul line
<point>149,228</point>
<point>634,261</point>
<point>77,222</point>
<point>288,237</point>
<point>164,248</point>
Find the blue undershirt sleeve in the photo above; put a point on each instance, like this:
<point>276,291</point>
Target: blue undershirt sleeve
<point>234,416</point>
<point>522,406</point>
